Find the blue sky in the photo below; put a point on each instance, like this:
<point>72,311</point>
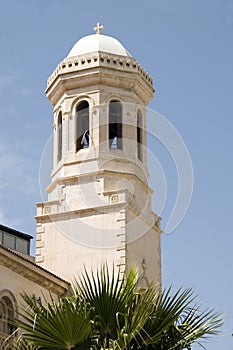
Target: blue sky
<point>187,48</point>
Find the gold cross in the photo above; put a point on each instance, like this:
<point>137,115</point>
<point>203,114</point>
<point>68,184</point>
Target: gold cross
<point>98,28</point>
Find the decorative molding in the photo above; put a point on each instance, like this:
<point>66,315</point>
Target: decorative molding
<point>33,272</point>
<point>114,198</point>
<point>99,68</point>
<point>47,209</point>
<point>97,59</point>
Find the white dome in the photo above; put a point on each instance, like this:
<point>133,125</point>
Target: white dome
<point>98,42</point>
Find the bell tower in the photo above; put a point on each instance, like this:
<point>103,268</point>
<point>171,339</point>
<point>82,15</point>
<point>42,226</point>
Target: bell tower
<point>99,202</point>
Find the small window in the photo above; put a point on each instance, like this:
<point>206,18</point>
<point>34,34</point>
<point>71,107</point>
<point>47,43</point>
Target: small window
<point>22,245</point>
<point>8,240</point>
<point>139,135</point>
<point>59,137</point>
<point>6,315</point>
<point>82,126</point>
<point>115,124</point>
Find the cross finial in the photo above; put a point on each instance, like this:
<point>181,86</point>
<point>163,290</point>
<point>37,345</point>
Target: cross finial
<point>98,28</point>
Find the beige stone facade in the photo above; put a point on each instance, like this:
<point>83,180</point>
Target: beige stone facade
<point>99,202</point>
<point>19,273</point>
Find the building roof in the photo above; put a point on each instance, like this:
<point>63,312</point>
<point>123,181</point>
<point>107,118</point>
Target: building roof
<point>15,232</point>
<point>26,267</point>
<point>96,43</point>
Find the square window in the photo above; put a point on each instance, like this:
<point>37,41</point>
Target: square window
<point>22,245</point>
<point>8,241</point>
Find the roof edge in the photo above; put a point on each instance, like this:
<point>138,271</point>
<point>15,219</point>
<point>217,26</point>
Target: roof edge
<point>15,232</point>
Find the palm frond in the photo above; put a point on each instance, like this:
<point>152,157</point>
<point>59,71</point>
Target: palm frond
<point>108,312</point>
<point>107,295</point>
<point>55,325</point>
<point>21,344</point>
<point>183,322</point>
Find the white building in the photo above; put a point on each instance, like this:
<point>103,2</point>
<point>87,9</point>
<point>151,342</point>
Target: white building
<point>99,202</point>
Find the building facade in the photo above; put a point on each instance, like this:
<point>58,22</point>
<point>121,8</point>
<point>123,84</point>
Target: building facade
<point>99,201</point>
<point>19,273</point>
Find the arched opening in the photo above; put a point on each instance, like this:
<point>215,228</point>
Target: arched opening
<point>6,315</point>
<point>59,136</point>
<point>82,126</point>
<point>139,135</point>
<point>115,124</point>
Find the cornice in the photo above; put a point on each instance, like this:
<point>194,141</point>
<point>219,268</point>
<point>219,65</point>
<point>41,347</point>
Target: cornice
<point>98,59</point>
<point>99,173</point>
<point>100,69</point>
<point>32,272</point>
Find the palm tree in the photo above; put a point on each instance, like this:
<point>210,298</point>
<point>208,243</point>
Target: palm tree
<point>107,311</point>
